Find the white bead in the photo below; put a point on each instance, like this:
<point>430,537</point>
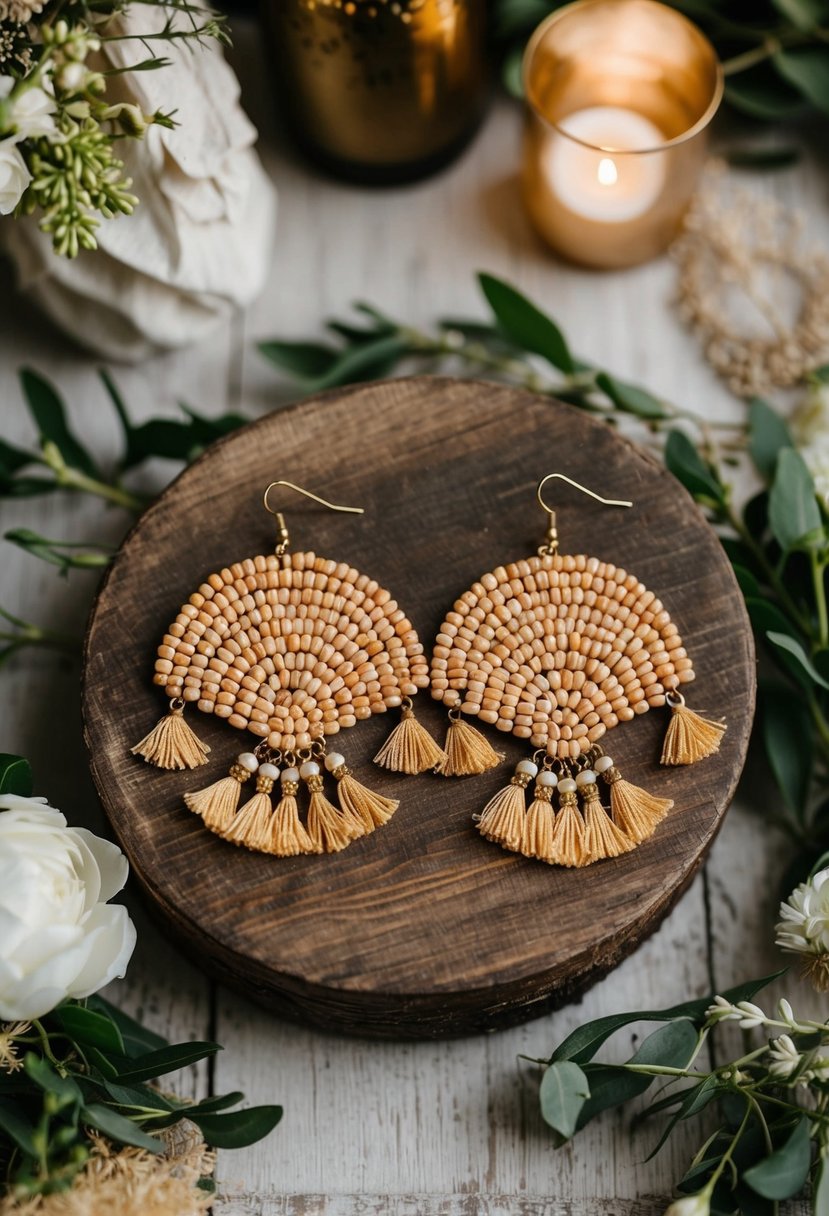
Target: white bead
<point>309,769</point>
<point>394,702</point>
<point>248,761</point>
<point>269,770</point>
<point>586,777</point>
<point>545,777</point>
<point>290,774</point>
<point>603,764</point>
<point>334,761</point>
<point>526,766</point>
<point>567,786</point>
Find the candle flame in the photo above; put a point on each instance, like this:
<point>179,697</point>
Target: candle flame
<point>608,173</point>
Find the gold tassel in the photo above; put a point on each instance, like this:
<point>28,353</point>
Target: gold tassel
<point>251,825</point>
<point>368,809</point>
<point>502,819</point>
<point>328,828</point>
<point>634,810</point>
<point>218,802</point>
<point>288,836</point>
<point>568,845</point>
<point>689,736</point>
<point>602,838</point>
<point>467,751</point>
<point>538,826</point>
<point>410,748</point>
<point>172,743</point>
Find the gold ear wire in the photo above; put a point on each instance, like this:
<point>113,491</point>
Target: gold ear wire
<point>550,545</point>
<point>283,534</point>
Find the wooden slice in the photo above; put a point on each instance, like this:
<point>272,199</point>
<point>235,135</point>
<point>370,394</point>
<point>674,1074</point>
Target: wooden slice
<point>422,928</point>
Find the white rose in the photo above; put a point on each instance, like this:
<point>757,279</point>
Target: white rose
<point>59,937</point>
<point>14,176</point>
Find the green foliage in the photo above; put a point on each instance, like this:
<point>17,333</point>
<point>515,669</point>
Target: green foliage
<point>770,1132</point>
<point>774,52</point>
<point>88,1066</point>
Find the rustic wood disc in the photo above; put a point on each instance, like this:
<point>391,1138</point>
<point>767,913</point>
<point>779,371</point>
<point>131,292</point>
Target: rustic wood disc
<point>422,928</point>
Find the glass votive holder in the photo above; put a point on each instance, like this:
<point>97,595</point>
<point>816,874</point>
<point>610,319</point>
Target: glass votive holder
<point>380,90</point>
<point>620,94</point>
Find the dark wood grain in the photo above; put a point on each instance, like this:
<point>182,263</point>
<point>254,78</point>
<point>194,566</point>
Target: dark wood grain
<point>423,928</point>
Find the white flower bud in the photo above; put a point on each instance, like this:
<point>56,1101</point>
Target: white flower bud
<point>690,1205</point>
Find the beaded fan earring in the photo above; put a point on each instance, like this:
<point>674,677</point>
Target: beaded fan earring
<point>557,650</point>
<point>293,648</point>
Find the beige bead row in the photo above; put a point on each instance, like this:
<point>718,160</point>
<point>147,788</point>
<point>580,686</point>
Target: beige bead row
<point>291,649</point>
<point>558,650</point>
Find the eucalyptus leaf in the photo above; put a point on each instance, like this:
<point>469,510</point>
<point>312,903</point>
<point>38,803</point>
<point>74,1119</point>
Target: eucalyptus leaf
<point>219,1102</point>
<point>695,1099</point>
<point>746,581</point>
<point>783,1173</point>
<point>807,69</point>
<point>237,1129</point>
<point>142,1098</point>
<point>820,1190</point>
<point>512,72</point>
<point>762,93</point>
<point>583,1043</point>
<point>369,360</point>
<point>158,1063</point>
<point>15,775</point>
<point>15,1124</point>
<point>784,641</point>
<point>789,744</point>
<point>88,1027</point>
<point>767,436</point>
<point>793,507</point>
<point>563,1092</point>
<point>120,1129</point>
<point>806,15</point>
<point>524,323</point>
<point>630,398</point>
<point>13,459</point>
<point>304,360</point>
<point>49,414</point>
<point>686,464</point>
<point>64,1089</point>
<point>137,1038</point>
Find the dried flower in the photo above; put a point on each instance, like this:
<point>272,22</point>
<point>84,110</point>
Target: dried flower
<point>9,1059</point>
<point>20,11</point>
<point>804,927</point>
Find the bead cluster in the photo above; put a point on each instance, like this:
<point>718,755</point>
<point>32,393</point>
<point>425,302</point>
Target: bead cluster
<point>557,650</point>
<point>291,648</point>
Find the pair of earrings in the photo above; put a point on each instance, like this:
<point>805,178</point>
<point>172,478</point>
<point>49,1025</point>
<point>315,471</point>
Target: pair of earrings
<point>555,649</point>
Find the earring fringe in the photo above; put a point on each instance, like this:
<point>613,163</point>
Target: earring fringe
<point>328,828</point>
<point>635,811</point>
<point>288,835</point>
<point>568,843</point>
<point>689,736</point>
<point>366,807</point>
<point>410,748</point>
<point>502,819</point>
<point>538,826</point>
<point>251,826</point>
<point>217,803</point>
<point>172,743</point>
<point>467,751</point>
<point>602,838</point>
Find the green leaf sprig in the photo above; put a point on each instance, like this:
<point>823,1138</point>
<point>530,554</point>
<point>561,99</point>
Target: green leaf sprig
<point>768,1106</point>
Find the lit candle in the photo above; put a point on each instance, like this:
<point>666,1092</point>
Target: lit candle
<point>620,94</point>
<point>590,180</point>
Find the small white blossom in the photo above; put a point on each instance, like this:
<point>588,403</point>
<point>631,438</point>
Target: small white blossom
<point>784,1057</point>
<point>722,1011</point>
<point>752,1015</point>
<point>810,430</point>
<point>691,1205</point>
<point>803,927</point>
<point>30,114</point>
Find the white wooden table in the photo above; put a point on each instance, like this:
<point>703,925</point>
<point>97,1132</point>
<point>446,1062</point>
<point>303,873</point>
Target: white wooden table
<point>431,1129</point>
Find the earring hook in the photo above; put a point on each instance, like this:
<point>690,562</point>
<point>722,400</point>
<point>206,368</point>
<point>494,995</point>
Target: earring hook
<point>550,545</point>
<point>284,536</point>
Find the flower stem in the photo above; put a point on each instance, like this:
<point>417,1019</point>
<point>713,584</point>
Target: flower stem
<point>70,478</point>
<point>819,584</point>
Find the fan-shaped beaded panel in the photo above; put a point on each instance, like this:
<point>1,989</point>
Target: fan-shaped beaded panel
<point>291,648</point>
<point>558,650</point>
